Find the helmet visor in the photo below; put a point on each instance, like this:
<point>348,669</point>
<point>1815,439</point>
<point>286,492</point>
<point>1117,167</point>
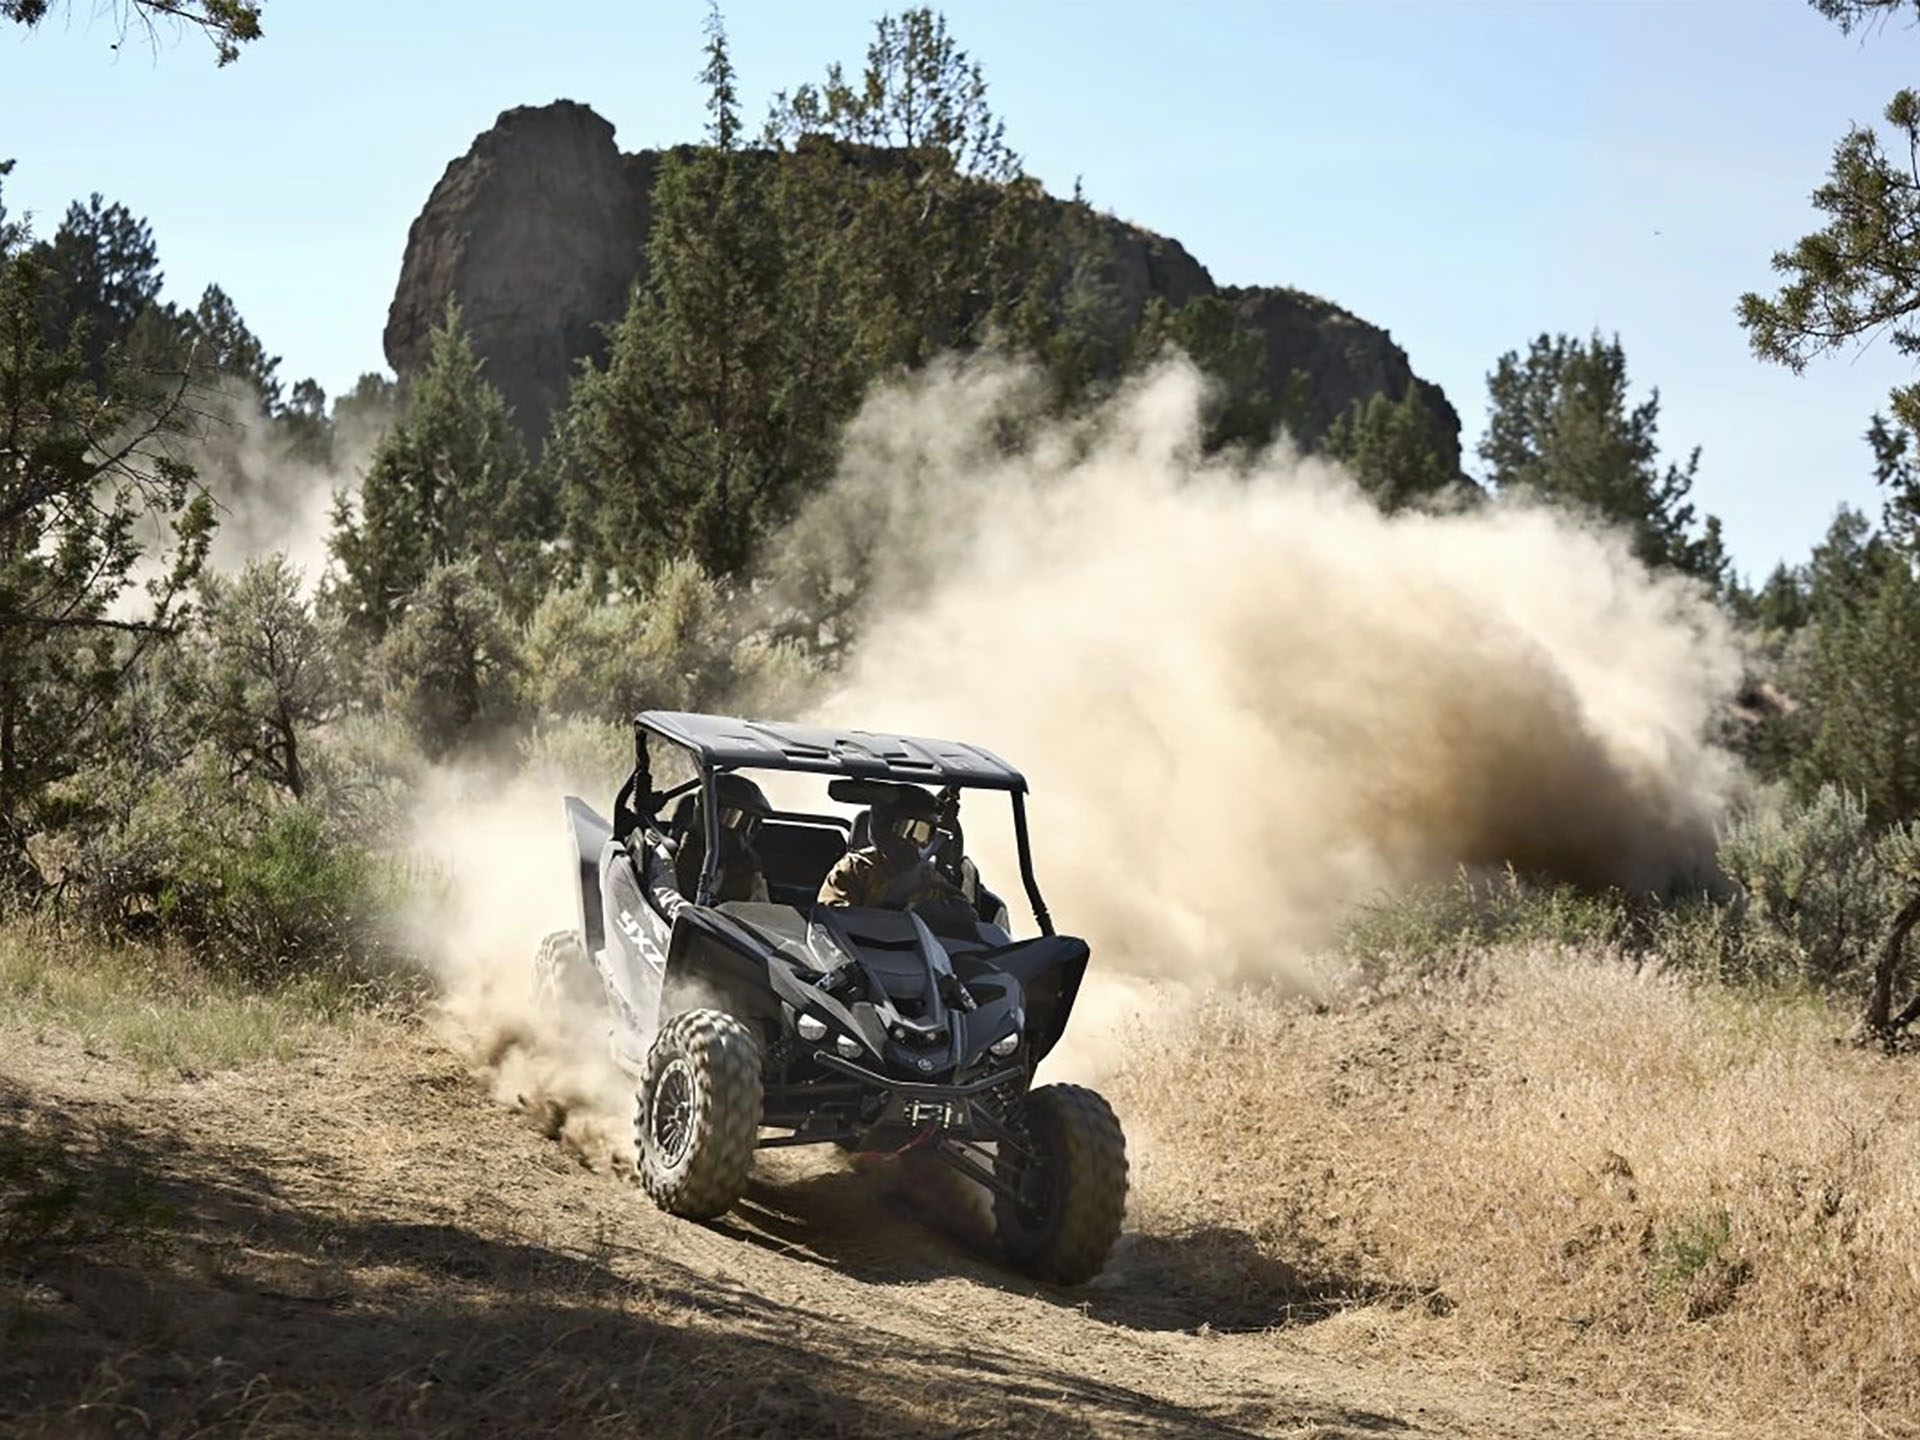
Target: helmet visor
<point>914,832</point>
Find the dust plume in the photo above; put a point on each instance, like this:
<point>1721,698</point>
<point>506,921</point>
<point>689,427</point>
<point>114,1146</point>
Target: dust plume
<point>1244,698</point>
<point>495,847</point>
<point>268,495</point>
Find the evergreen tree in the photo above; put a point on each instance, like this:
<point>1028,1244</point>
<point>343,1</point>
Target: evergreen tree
<point>257,678</point>
<point>92,484</point>
<point>1782,605</point>
<point>695,437</point>
<point>1561,428</point>
<point>305,424</point>
<point>1395,449</point>
<point>220,344</point>
<point>101,290</point>
<point>227,24</point>
<point>450,665</point>
<point>1861,725</point>
<point>1232,355</point>
<point>361,416</point>
<point>101,277</point>
<point>449,482</point>
<point>1858,276</point>
<point>936,221</point>
<point>1848,14</point>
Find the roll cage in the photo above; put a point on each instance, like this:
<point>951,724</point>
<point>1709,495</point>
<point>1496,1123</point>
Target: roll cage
<point>718,744</point>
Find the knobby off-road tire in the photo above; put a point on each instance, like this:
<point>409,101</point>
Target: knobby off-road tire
<point>699,1113</point>
<point>563,976</point>
<point>1074,1206</point>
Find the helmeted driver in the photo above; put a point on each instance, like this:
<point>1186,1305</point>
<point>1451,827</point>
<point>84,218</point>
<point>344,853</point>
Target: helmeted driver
<point>897,868</point>
<point>742,876</point>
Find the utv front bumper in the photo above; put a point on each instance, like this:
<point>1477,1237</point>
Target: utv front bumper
<point>894,1114</point>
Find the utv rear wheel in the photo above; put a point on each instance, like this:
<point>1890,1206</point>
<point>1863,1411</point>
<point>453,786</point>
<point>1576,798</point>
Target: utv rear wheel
<point>1073,1190</point>
<point>700,1106</point>
<point>563,976</point>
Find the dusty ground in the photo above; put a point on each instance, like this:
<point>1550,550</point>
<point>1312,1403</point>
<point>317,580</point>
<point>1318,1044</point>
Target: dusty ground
<point>359,1240</point>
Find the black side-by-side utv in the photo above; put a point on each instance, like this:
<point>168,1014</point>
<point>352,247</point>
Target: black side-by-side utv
<point>787,1021</point>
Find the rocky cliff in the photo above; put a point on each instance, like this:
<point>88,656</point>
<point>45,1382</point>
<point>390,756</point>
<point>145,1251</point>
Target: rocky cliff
<point>539,230</point>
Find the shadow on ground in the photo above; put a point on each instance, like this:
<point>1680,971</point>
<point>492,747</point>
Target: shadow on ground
<point>149,1287</point>
<point>912,1220</point>
<point>1224,1280</point>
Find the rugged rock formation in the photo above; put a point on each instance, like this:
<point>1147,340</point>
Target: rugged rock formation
<point>539,230</point>
<point>1143,266</point>
<point>1348,359</point>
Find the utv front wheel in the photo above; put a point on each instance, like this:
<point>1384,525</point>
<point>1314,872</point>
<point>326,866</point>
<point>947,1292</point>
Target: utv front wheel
<point>700,1105</point>
<point>563,976</point>
<point>1072,1186</point>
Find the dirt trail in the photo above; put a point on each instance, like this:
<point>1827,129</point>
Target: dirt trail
<point>361,1241</point>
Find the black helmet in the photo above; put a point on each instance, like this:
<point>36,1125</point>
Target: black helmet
<point>742,806</point>
<point>907,818</point>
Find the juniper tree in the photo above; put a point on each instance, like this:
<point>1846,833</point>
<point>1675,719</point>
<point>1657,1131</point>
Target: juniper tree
<point>102,530</point>
<point>227,24</point>
<point>1395,449</point>
<point>450,481</point>
<point>1562,428</point>
<point>689,441</point>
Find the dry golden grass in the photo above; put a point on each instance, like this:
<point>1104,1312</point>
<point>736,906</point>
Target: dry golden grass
<point>1553,1171</point>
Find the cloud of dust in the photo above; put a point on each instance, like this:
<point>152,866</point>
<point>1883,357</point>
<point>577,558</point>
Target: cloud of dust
<point>1244,698</point>
<point>268,496</point>
<point>498,847</point>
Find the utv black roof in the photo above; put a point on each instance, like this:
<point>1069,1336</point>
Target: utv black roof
<point>726,741</point>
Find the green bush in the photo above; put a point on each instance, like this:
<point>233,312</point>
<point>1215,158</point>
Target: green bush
<point>451,666</point>
<point>261,886</point>
<point>1815,887</point>
<point>679,646</point>
<point>296,893</point>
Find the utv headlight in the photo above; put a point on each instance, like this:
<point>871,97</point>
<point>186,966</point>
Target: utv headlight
<point>848,1047</point>
<point>1005,1045</point>
<point>810,1027</point>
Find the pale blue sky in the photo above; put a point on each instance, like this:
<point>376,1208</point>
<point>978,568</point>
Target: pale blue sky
<point>1464,174</point>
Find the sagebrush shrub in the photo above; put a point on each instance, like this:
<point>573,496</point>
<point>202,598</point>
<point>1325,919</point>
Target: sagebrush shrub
<point>1820,885</point>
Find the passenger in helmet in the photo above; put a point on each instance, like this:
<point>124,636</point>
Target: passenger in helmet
<point>742,807</point>
<point>896,868</point>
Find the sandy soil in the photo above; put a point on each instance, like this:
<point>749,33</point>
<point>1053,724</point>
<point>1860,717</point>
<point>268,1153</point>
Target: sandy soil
<point>363,1241</point>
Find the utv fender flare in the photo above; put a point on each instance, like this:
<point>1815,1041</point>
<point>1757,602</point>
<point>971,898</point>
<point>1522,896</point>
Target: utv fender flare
<point>1049,970</point>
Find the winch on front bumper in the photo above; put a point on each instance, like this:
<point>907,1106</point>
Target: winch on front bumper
<point>879,1113</point>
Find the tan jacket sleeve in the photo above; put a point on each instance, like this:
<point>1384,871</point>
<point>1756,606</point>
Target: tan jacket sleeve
<point>851,881</point>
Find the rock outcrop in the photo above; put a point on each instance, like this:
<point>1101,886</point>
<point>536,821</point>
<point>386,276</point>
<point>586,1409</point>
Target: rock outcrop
<point>539,231</point>
<point>1348,359</point>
